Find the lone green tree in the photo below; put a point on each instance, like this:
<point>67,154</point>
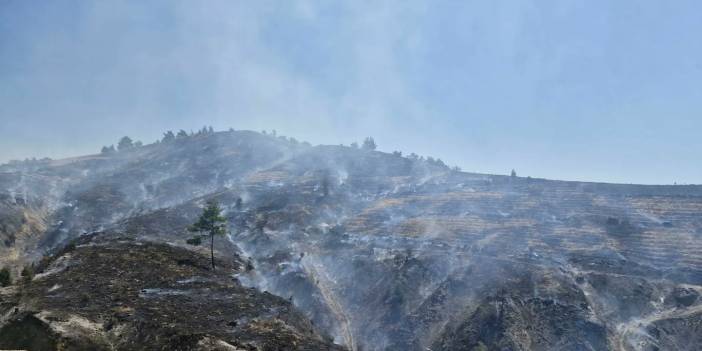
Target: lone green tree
<point>210,223</point>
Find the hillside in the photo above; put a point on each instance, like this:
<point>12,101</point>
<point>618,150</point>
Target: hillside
<point>380,251</point>
<point>108,291</point>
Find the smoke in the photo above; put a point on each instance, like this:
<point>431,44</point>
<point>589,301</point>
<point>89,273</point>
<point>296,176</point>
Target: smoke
<point>368,243</point>
<point>182,65</point>
<point>475,84</point>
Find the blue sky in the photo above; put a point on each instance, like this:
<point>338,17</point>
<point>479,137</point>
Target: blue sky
<point>578,90</point>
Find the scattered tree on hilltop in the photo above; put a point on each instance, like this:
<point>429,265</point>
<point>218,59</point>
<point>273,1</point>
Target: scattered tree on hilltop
<point>369,144</point>
<point>210,223</point>
<point>125,143</point>
<point>354,145</point>
<point>168,137</point>
<point>106,150</point>
<point>205,130</point>
<point>513,174</point>
<point>182,134</point>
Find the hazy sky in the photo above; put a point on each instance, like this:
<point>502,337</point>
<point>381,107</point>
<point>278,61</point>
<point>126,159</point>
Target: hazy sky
<point>581,90</point>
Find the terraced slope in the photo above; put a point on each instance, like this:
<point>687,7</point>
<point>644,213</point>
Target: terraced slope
<point>404,266</point>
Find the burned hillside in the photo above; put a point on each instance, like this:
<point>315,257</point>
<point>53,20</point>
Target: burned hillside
<point>107,291</point>
<point>377,250</point>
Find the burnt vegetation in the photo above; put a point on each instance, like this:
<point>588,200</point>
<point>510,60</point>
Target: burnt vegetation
<point>333,247</point>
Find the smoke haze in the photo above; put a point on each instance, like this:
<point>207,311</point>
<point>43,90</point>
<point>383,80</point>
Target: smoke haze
<point>581,90</point>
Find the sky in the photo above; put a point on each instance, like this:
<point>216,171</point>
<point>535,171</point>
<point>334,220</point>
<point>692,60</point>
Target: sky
<point>576,90</point>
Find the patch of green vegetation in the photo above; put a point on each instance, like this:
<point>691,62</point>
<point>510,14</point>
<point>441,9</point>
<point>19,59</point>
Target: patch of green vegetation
<point>5,277</point>
<point>480,347</point>
<point>27,273</point>
<point>194,241</point>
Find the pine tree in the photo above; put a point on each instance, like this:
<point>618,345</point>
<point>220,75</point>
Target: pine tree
<point>125,143</point>
<point>210,223</point>
<point>168,137</point>
<point>369,144</point>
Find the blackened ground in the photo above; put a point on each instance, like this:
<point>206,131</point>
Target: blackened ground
<point>108,291</point>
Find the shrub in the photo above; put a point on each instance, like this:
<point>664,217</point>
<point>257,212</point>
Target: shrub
<point>5,277</point>
<point>27,273</point>
<point>194,241</point>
